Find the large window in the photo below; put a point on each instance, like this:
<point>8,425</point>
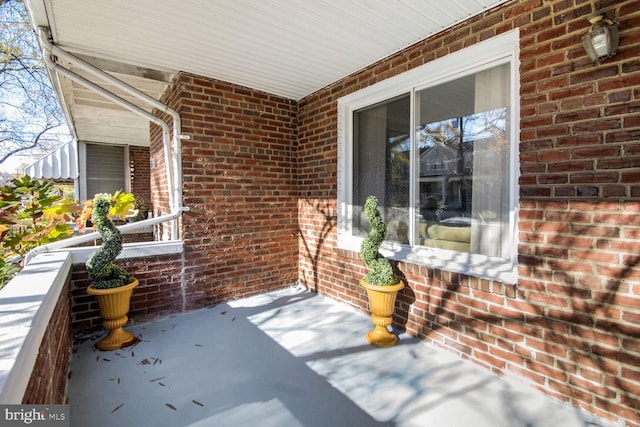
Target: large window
<point>438,147</point>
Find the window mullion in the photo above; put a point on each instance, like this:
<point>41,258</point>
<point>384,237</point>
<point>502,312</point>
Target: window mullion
<point>413,171</point>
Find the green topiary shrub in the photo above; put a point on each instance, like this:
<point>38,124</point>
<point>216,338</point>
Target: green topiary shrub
<point>101,268</point>
<point>381,272</point>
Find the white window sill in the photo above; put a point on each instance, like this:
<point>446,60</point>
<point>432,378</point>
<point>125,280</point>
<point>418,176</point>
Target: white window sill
<point>465,263</point>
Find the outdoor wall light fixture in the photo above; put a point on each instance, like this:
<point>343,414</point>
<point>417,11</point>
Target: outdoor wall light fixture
<point>601,41</point>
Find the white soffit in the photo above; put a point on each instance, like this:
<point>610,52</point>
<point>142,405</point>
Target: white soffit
<point>285,47</point>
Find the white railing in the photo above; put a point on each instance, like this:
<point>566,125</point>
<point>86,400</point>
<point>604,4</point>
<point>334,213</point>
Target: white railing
<point>28,300</point>
<point>26,305</point>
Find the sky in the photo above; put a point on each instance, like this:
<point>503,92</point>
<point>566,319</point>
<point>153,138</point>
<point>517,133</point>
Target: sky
<point>14,163</point>
<point>20,117</point>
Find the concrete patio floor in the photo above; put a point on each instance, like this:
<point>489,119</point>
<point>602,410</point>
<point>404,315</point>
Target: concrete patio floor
<point>292,358</point>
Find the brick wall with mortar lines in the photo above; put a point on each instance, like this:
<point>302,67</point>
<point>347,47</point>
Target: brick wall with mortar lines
<point>139,165</point>
<point>158,178</point>
<point>571,325</point>
<point>48,382</point>
<point>159,194</point>
<point>159,294</point>
<point>239,183</point>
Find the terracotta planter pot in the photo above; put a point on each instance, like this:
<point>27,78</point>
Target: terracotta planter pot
<point>114,306</point>
<point>382,301</point>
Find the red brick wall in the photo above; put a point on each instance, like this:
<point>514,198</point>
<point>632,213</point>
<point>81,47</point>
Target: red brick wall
<point>159,293</point>
<point>239,183</point>
<point>139,165</point>
<point>159,193</point>
<point>571,325</point>
<point>159,185</point>
<point>48,382</point>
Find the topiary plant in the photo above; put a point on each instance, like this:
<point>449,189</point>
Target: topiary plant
<point>381,272</point>
<point>102,271</point>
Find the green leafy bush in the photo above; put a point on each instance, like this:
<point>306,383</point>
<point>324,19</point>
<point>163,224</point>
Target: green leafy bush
<point>33,213</point>
<point>8,269</point>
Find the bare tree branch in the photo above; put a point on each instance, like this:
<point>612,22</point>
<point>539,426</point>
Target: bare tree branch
<point>34,144</point>
<point>32,121</point>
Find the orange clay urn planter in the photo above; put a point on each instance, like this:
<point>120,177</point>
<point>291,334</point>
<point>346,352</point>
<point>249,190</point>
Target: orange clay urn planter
<point>381,284</point>
<point>111,285</point>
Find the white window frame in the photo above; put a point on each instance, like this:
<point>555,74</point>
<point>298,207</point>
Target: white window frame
<point>495,51</point>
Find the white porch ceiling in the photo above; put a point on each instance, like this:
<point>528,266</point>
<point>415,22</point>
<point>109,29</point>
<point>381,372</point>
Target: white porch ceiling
<point>289,48</point>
